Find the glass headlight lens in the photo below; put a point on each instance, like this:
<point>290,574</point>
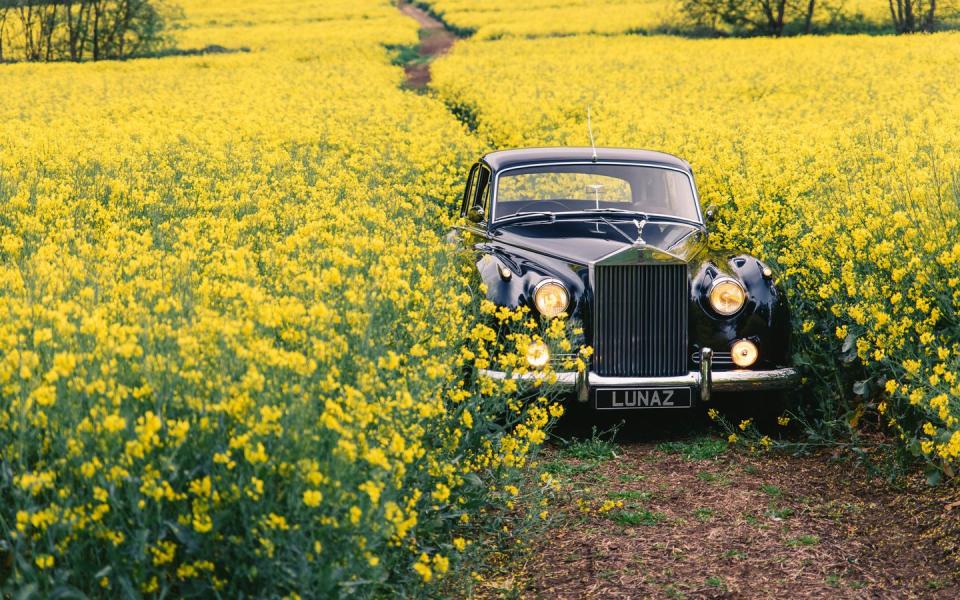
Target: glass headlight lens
<point>744,353</point>
<point>727,296</point>
<point>551,298</point>
<point>538,355</point>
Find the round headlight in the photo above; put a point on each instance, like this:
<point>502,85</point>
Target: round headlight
<point>727,296</point>
<point>551,298</point>
<point>744,353</point>
<point>538,355</point>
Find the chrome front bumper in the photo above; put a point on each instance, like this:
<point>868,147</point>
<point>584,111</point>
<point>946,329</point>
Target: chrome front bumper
<point>706,379</point>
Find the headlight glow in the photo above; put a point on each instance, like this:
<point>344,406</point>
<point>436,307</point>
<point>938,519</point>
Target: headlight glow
<point>727,296</point>
<point>538,355</point>
<point>744,353</point>
<point>551,298</point>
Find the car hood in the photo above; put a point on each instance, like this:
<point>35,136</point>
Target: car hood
<point>587,241</point>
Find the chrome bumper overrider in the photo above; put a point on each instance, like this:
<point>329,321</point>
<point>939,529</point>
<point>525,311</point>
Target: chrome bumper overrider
<point>706,379</point>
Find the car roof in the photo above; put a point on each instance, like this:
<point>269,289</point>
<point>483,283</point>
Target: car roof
<point>503,159</point>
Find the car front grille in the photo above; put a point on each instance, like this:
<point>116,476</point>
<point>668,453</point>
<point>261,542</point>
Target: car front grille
<point>640,320</point>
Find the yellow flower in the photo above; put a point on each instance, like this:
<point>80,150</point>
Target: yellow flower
<point>312,498</point>
<point>202,523</point>
<point>422,567</point>
<point>114,423</point>
<point>163,552</point>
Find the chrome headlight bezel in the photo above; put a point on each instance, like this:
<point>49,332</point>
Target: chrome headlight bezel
<point>716,283</point>
<point>539,288</point>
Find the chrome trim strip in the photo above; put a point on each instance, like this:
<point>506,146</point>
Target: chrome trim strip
<point>706,375</point>
<point>741,380</point>
<point>690,379</point>
<point>744,380</point>
<point>564,378</point>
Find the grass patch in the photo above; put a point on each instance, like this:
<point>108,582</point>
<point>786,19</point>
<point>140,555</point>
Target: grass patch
<point>771,490</point>
<point>566,469</point>
<point>703,514</point>
<point>594,448</point>
<point>633,518</point>
<point>780,512</point>
<point>803,540</point>
<point>718,478</point>
<point>716,582</point>
<point>734,554</point>
<point>702,448</point>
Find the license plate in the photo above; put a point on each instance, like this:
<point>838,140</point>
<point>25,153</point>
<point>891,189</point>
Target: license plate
<point>634,398</point>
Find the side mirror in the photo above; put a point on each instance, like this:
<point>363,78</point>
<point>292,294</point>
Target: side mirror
<point>711,213</point>
<point>475,214</point>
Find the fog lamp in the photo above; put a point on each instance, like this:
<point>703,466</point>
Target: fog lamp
<point>538,355</point>
<point>551,297</point>
<point>744,353</point>
<point>727,296</point>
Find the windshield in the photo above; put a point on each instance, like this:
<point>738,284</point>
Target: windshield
<point>590,187</point>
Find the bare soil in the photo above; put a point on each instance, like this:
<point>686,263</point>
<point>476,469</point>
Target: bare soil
<point>435,39</point>
<point>740,525</point>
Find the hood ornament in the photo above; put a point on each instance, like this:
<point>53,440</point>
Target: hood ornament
<point>639,241</point>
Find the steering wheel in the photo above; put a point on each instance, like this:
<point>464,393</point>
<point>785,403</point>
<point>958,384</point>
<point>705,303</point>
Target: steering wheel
<point>529,205</point>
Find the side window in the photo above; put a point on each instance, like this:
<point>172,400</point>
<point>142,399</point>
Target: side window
<point>482,198</point>
<point>468,192</point>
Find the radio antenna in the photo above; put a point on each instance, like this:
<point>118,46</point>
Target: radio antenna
<point>590,131</point>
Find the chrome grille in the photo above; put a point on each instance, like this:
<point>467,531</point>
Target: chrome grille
<point>640,320</point>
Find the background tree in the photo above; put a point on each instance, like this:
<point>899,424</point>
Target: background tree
<point>765,17</point>
<point>4,10</point>
<point>910,16</point>
<point>47,30</point>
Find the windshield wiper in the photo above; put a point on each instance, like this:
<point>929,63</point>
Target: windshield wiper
<point>528,213</point>
<point>616,210</point>
<point>617,229</point>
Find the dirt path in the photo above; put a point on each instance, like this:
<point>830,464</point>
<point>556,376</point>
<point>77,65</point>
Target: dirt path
<point>696,520</point>
<point>435,39</point>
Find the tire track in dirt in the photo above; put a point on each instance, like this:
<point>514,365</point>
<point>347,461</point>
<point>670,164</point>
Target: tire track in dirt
<point>435,40</point>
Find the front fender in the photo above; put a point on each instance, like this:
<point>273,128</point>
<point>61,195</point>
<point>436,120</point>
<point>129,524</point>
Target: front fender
<point>512,274</point>
<point>764,318</point>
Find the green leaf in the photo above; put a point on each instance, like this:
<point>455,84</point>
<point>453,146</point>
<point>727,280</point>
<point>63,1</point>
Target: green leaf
<point>934,476</point>
<point>849,343</point>
<point>26,592</point>
<point>862,388</point>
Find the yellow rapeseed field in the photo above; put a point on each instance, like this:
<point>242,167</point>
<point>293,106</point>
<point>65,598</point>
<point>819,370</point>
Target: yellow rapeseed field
<point>232,336</point>
<point>238,352</point>
<point>833,158</point>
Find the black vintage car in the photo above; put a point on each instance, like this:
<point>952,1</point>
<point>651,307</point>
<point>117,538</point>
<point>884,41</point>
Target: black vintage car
<point>616,239</point>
